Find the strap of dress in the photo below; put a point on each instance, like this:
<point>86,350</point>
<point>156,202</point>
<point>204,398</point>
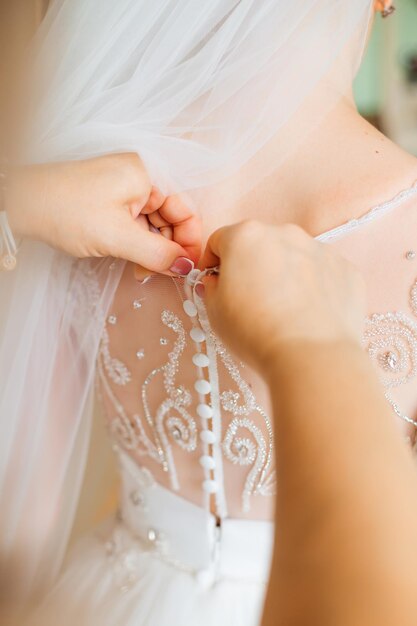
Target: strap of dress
<point>374,213</point>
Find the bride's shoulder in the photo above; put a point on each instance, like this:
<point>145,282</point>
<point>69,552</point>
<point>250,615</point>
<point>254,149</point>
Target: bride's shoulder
<point>401,206</point>
<point>382,243</point>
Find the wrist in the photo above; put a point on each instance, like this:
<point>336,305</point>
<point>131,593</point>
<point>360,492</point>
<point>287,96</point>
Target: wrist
<point>298,357</point>
<point>24,199</point>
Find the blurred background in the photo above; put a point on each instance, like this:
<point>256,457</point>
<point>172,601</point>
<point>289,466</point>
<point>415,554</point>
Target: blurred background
<point>386,86</point>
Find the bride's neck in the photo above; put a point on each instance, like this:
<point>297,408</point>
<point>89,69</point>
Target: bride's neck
<point>344,167</point>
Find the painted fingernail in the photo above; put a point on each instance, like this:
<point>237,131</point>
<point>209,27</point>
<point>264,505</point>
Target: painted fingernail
<point>182,266</point>
<point>200,290</point>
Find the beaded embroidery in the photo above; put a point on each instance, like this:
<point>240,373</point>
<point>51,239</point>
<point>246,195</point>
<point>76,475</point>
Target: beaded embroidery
<point>115,369</point>
<point>165,427</point>
<point>244,443</point>
<point>391,342</point>
<point>390,339</point>
<point>257,452</point>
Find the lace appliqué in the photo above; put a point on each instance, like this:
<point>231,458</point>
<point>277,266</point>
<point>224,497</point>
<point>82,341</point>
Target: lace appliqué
<point>171,421</point>
<point>115,369</point>
<point>254,450</point>
<point>391,342</point>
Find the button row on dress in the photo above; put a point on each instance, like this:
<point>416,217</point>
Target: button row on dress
<point>190,308</point>
<point>207,436</point>
<point>203,387</point>
<point>197,334</point>
<point>207,462</point>
<point>201,360</point>
<point>210,486</point>
<point>205,411</point>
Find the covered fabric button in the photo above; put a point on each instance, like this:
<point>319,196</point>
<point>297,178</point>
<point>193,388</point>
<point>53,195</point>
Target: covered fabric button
<point>207,436</point>
<point>190,308</point>
<point>205,411</point>
<point>205,578</point>
<point>202,386</point>
<point>207,462</point>
<point>210,486</point>
<point>201,360</point>
<point>197,334</point>
<point>193,276</point>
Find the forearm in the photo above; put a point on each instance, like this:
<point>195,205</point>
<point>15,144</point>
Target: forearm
<point>345,550</point>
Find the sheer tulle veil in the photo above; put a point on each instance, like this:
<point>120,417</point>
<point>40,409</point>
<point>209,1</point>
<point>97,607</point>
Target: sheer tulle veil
<point>199,90</point>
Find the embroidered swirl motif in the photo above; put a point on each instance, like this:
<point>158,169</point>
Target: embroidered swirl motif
<point>116,370</point>
<point>128,431</point>
<point>242,450</point>
<point>165,427</point>
<point>391,341</point>
<point>182,428</point>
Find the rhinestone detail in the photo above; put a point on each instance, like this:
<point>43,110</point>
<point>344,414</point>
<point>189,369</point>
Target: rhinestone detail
<point>391,341</point>
<point>116,369</point>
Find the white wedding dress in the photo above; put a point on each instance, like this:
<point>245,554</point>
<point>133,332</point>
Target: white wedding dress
<point>213,96</point>
<point>192,429</point>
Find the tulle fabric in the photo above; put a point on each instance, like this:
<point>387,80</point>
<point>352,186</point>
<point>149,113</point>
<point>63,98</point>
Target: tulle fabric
<point>45,405</point>
<point>162,595</point>
<point>189,573</point>
<point>199,90</point>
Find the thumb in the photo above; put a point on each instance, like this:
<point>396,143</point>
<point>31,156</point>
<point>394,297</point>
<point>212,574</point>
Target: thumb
<point>150,250</point>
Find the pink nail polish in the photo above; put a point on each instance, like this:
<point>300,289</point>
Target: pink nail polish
<point>182,266</point>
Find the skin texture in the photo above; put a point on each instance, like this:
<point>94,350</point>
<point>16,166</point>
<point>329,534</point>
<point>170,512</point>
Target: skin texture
<point>103,207</point>
<point>346,548</point>
<point>314,306</point>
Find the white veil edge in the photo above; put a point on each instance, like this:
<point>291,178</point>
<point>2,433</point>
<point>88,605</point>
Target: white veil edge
<point>199,90</point>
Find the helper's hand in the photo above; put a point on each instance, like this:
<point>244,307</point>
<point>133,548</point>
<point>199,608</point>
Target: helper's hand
<point>104,206</point>
<point>278,286</point>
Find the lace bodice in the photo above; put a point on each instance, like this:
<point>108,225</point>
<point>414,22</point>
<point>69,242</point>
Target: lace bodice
<point>179,402</point>
<point>199,420</point>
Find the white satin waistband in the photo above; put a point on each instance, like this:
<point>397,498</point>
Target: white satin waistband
<point>187,536</point>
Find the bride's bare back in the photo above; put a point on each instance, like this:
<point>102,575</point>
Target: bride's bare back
<point>202,424</point>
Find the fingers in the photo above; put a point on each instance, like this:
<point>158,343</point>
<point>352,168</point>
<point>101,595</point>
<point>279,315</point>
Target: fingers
<point>157,221</point>
<point>209,287</point>
<point>133,241</point>
<point>186,225</point>
<point>215,247</point>
<point>155,201</point>
<point>175,220</point>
